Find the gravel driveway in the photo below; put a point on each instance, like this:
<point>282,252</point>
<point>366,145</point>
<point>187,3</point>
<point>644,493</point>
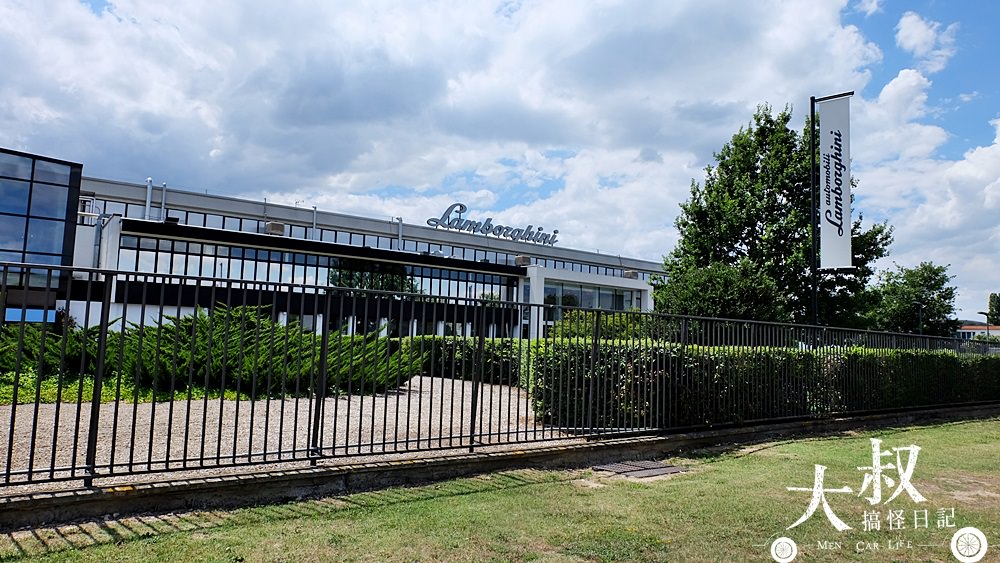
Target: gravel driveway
<point>426,413</point>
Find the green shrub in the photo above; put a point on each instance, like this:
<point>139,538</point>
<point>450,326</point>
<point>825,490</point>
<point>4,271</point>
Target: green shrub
<point>47,352</point>
<point>239,349</point>
<point>243,349</point>
<point>647,384</point>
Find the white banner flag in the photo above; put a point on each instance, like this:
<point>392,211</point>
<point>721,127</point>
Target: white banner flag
<point>835,183</point>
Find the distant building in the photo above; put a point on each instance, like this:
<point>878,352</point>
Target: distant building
<point>968,332</point>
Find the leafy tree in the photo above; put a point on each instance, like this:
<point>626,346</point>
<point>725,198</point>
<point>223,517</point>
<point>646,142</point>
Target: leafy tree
<point>721,290</point>
<point>994,309</point>
<point>753,214</point>
<point>906,297</point>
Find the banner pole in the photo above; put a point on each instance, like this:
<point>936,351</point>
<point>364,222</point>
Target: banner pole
<point>813,210</point>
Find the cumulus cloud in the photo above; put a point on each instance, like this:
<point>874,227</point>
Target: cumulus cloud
<point>926,41</point>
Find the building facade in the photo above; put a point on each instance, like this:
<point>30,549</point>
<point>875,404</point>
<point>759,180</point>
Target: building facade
<point>185,240</point>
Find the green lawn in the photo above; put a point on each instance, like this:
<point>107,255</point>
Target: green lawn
<point>729,507</point>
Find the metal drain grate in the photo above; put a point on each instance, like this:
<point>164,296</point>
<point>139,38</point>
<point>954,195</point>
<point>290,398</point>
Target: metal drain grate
<point>640,469</point>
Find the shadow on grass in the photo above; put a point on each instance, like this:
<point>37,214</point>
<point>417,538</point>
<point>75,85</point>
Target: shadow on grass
<point>47,540</point>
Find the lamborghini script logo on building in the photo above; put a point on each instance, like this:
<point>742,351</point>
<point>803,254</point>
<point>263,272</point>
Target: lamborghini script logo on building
<point>452,219</point>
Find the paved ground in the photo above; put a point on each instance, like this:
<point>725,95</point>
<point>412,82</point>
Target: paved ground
<point>427,413</point>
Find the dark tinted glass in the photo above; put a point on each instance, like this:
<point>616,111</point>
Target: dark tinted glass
<point>15,166</point>
<point>13,196</point>
<point>49,201</point>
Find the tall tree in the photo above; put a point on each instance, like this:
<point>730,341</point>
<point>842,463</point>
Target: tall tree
<point>994,309</point>
<point>754,209</point>
<point>917,300</point>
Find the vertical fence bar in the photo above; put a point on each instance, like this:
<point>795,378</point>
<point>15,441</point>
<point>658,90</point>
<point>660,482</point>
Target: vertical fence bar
<point>477,373</point>
<point>95,402</point>
<point>596,375</point>
<point>319,392</point>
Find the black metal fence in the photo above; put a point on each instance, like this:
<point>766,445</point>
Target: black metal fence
<point>111,373</point>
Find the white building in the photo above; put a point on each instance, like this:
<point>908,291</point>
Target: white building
<point>195,239</point>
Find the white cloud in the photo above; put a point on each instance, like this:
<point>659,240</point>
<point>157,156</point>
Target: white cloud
<point>888,127</point>
<point>968,96</point>
<point>926,41</point>
<point>868,7</point>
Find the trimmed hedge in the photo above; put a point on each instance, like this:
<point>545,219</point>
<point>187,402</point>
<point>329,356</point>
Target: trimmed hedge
<point>648,384</point>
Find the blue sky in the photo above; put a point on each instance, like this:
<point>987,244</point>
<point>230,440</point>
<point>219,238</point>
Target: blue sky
<point>592,117</point>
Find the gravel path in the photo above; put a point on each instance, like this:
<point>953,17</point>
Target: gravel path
<point>427,413</point>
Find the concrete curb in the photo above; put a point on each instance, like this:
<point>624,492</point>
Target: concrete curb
<point>281,486</point>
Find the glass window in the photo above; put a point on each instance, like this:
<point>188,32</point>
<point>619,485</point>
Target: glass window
<point>51,172</point>
<point>114,208</point>
<point>231,223</point>
<point>135,211</point>
<point>147,259</point>
<point>15,166</point>
<point>196,219</point>
<point>193,267</point>
<point>13,196</point>
<point>606,299</point>
<point>213,221</point>
<point>162,262</point>
<point>49,259</point>
<point>8,256</point>
<point>572,296</point>
<point>45,236</point>
<point>12,233</point>
<point>126,259</point>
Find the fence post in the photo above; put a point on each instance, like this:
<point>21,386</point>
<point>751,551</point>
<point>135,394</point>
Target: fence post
<point>595,352</point>
<point>319,393</point>
<point>95,402</point>
<point>477,372</point>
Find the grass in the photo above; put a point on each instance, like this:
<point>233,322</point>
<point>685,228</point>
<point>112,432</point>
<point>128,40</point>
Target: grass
<point>729,507</point>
